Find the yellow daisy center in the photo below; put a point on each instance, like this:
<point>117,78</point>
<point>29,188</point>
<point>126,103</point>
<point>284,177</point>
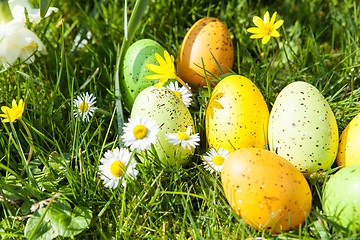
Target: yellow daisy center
<point>140,131</point>
<point>177,93</point>
<point>83,107</point>
<point>117,168</point>
<point>218,160</point>
<point>183,136</point>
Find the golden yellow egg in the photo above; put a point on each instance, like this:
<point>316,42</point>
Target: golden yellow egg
<point>237,115</point>
<point>207,39</point>
<point>349,145</point>
<point>266,190</point>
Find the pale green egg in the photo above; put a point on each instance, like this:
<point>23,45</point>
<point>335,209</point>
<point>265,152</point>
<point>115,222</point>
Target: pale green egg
<point>134,81</point>
<point>303,128</point>
<point>170,113</point>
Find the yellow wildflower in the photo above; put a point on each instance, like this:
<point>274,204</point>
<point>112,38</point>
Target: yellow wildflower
<point>11,114</point>
<point>165,71</point>
<point>265,29</point>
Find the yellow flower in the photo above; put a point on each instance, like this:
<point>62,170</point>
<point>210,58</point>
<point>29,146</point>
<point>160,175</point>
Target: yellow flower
<point>165,71</point>
<point>11,114</point>
<point>265,29</point>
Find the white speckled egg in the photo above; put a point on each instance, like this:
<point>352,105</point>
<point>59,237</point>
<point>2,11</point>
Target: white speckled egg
<point>303,128</point>
<point>172,116</point>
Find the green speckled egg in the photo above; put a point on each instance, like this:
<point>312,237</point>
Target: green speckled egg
<point>237,115</point>
<point>342,197</point>
<point>138,54</point>
<point>171,114</point>
<point>303,128</point>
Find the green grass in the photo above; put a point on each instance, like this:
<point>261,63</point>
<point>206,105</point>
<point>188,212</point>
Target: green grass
<point>319,43</point>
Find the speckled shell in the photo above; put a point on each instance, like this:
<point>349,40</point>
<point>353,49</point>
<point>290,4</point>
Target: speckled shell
<point>138,54</point>
<point>170,113</point>
<point>237,115</point>
<point>303,129</point>
<point>206,36</point>
<point>266,190</point>
<point>342,197</point>
<point>349,144</point>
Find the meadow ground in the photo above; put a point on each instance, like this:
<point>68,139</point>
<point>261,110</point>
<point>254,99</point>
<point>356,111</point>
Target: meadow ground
<point>319,44</point>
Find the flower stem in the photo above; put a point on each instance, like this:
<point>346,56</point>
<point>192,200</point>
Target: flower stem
<point>31,149</point>
<point>276,53</point>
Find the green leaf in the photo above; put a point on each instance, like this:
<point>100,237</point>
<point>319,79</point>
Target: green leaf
<point>40,225</point>
<point>67,221</point>
<point>44,6</point>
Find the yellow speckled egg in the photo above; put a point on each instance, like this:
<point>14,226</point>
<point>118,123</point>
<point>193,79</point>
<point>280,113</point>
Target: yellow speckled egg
<point>303,128</point>
<point>237,115</point>
<point>207,36</point>
<point>348,152</point>
<point>266,190</point>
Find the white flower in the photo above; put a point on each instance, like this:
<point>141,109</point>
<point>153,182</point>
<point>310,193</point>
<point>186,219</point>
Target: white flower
<point>215,159</point>
<point>84,106</point>
<point>185,139</point>
<point>183,93</point>
<point>140,133</point>
<point>16,41</point>
<point>117,165</point>
<point>18,7</point>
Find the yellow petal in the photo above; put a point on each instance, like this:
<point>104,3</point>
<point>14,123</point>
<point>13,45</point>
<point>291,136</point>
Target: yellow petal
<point>167,57</point>
<point>14,104</point>
<point>256,36</point>
<point>160,60</point>
<point>266,17</point>
<point>275,33</point>
<point>253,30</point>
<point>154,68</point>
<point>278,24</point>
<point>273,18</point>
<point>154,76</point>
<point>265,39</point>
<point>5,109</point>
<point>258,21</point>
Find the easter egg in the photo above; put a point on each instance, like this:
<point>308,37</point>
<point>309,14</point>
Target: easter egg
<point>237,115</point>
<point>206,40</point>
<point>172,116</point>
<point>266,190</point>
<point>303,129</point>
<point>342,197</point>
<point>349,144</point>
<point>138,54</point>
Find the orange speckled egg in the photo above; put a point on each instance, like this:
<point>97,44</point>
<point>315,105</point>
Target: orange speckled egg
<point>348,152</point>
<point>266,190</point>
<point>206,36</point>
<point>237,115</point>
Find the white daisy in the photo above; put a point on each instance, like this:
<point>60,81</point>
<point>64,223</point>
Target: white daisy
<point>215,159</point>
<point>117,165</point>
<point>140,133</point>
<point>84,106</point>
<point>184,138</point>
<point>183,93</point>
